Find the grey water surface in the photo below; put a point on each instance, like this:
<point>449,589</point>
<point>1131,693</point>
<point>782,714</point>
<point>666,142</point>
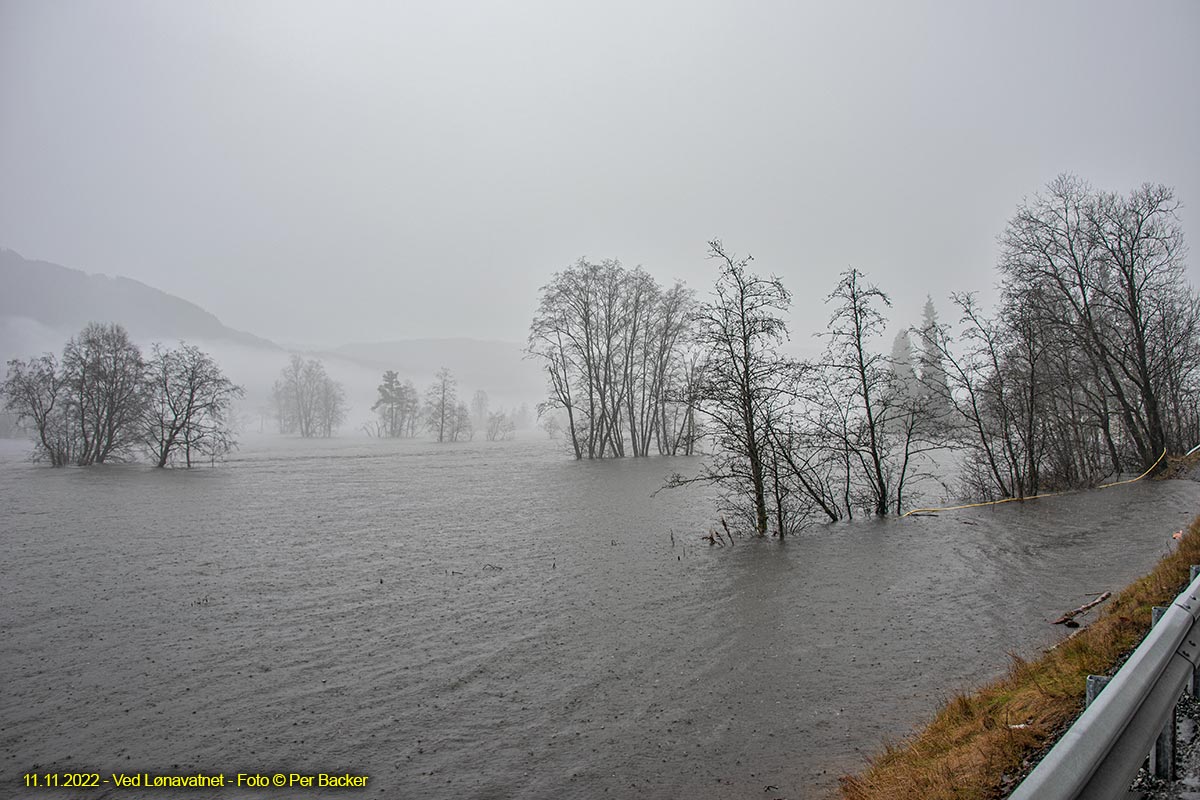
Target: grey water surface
<point>494,620</point>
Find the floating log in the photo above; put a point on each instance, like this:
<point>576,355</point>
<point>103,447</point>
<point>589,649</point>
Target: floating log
<point>1066,618</point>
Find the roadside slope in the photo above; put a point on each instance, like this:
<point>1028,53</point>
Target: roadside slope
<point>978,744</point>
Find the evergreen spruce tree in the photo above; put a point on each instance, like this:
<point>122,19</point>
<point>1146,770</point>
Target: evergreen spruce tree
<point>931,369</point>
<point>907,383</point>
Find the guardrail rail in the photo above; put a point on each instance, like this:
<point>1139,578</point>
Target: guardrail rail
<point>1131,716</point>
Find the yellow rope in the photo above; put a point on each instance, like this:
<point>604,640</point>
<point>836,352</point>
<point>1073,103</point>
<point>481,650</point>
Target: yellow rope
<point>1035,497</point>
<point>1139,477</point>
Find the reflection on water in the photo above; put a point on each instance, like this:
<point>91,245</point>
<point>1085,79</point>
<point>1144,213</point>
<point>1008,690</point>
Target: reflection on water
<point>494,620</point>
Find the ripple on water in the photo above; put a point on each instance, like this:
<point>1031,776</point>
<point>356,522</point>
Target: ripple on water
<point>494,620</point>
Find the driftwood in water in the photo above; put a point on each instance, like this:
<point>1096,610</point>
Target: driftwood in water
<point>1070,615</point>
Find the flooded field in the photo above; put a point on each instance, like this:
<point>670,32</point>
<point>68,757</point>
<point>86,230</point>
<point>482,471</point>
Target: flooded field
<point>493,620</point>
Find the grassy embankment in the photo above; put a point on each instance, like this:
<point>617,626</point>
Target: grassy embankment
<point>979,742</point>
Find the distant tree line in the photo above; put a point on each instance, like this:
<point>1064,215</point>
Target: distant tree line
<point>104,400</point>
<point>1089,366</point>
<point>402,413</point>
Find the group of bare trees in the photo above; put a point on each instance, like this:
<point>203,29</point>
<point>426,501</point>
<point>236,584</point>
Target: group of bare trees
<point>105,401</point>
<point>797,440</point>
<point>621,364</point>
<point>629,364</point>
<point>1091,364</point>
<point>307,401</point>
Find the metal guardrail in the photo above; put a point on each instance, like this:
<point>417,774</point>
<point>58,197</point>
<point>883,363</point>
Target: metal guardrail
<point>1099,756</point>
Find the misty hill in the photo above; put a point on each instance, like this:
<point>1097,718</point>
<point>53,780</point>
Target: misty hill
<point>63,300</point>
<point>43,304</point>
<point>499,368</point>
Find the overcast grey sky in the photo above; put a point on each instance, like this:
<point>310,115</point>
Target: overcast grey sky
<point>339,171</point>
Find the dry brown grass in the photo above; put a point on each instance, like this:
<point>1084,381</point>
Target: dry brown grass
<point>971,749</point>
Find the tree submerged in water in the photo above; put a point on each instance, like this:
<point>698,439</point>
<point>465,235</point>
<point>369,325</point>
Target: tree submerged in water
<point>800,441</point>
<point>104,402</point>
<point>446,416</point>
<point>1089,367</point>
<point>620,365</point>
<point>744,387</point>
<point>188,411</point>
<point>398,407</point>
<point>307,401</point>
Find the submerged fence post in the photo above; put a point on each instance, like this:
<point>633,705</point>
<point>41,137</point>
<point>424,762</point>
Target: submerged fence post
<point>1162,754</point>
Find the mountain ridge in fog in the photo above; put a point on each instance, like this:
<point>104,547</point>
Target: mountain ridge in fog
<point>43,303</point>
<point>62,298</point>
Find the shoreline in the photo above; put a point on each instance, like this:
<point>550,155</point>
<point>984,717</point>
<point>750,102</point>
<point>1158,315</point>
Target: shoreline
<point>981,743</point>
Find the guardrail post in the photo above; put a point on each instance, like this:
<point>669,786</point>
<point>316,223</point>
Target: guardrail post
<point>1095,683</point>
<point>1162,754</point>
<point>1194,683</point>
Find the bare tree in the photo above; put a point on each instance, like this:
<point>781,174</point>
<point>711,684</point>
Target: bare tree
<point>860,377</point>
<point>459,426</point>
<point>549,421</point>
<point>500,426</point>
<point>36,390</point>
<point>294,400</point>
<point>441,400</point>
<point>282,405</point>
<point>980,393</point>
<point>412,409</point>
<point>680,429</point>
<point>745,381</point>
<point>860,420</point>
<point>330,411</point>
<point>188,414</point>
<point>479,408</point>
<point>105,379</point>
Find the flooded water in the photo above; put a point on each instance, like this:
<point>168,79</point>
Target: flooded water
<point>493,620</point>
